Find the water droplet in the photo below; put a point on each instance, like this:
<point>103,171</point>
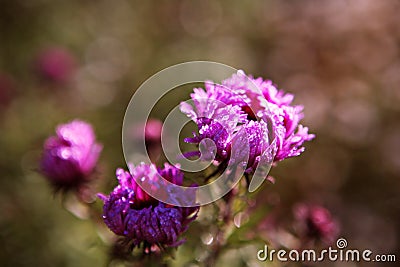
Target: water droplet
<point>240,219</point>
<point>207,239</point>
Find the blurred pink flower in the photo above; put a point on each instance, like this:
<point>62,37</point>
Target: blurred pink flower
<point>55,64</point>
<point>152,132</point>
<point>69,158</point>
<point>315,223</point>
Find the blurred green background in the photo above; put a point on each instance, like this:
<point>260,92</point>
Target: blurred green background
<point>341,59</point>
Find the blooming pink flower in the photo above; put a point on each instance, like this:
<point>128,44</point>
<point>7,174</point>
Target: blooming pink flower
<point>130,212</point>
<point>241,101</point>
<point>70,156</point>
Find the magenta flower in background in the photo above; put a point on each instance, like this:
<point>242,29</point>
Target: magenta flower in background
<point>70,157</point>
<point>315,223</point>
<point>242,102</point>
<point>153,131</point>
<point>55,64</point>
<point>130,212</point>
<point>150,133</point>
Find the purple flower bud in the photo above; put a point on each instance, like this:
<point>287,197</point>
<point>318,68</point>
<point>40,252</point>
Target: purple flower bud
<point>130,212</point>
<point>55,64</point>
<point>70,157</point>
<point>314,222</point>
<point>150,133</point>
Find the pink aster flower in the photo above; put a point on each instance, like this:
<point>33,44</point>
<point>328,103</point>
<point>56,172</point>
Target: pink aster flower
<point>241,101</point>
<point>268,101</point>
<point>70,157</point>
<point>142,220</point>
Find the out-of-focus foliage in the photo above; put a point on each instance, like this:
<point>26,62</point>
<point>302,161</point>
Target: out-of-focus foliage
<point>340,58</point>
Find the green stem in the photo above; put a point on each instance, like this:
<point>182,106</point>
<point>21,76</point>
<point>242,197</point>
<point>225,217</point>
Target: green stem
<point>220,237</point>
